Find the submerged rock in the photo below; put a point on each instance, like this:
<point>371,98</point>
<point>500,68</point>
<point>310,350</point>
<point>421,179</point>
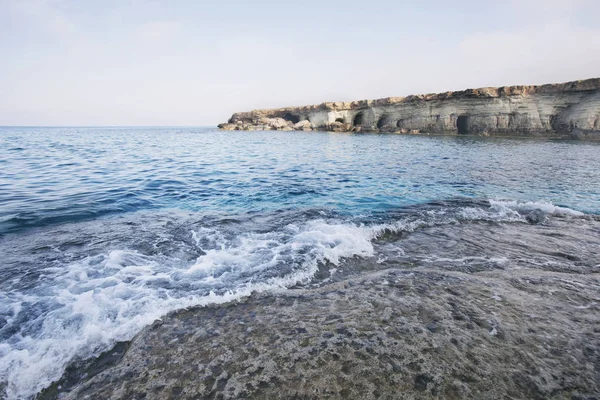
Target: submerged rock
<point>392,334</point>
<point>461,311</point>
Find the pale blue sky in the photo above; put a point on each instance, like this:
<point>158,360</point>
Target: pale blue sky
<point>184,62</point>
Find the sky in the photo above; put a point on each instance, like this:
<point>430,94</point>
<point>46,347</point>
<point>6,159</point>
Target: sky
<point>194,62</point>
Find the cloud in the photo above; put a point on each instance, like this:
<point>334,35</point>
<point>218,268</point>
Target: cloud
<point>550,6</point>
<point>70,62</point>
<point>46,16</point>
<point>158,32</point>
<point>536,54</point>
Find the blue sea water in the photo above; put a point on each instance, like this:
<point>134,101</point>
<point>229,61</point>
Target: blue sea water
<point>104,230</point>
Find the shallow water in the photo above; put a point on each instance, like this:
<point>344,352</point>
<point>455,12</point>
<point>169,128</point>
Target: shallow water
<point>104,230</point>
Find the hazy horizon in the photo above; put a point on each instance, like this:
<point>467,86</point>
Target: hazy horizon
<point>147,63</point>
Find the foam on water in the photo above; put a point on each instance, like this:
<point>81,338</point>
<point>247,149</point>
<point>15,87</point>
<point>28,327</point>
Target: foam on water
<point>514,211</point>
<point>506,207</point>
<point>90,305</point>
<point>83,308</point>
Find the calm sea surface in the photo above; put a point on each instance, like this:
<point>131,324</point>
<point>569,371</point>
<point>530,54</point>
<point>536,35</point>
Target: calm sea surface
<point>104,230</point>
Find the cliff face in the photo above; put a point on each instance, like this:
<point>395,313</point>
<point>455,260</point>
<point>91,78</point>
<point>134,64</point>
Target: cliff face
<point>566,110</point>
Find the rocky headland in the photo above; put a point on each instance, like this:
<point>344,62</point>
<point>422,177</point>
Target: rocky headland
<point>568,110</point>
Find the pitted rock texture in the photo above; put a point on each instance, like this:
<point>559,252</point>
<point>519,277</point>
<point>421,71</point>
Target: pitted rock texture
<point>482,310</point>
<point>568,110</point>
<point>393,334</point>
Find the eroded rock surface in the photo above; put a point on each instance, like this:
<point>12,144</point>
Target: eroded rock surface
<point>567,110</point>
<point>477,327</point>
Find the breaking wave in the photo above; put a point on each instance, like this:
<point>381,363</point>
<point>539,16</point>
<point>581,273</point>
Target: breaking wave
<point>79,309</point>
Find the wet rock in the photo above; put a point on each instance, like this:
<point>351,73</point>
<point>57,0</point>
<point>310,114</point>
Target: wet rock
<point>468,325</point>
<point>227,127</point>
<point>421,382</point>
<point>536,217</point>
<point>302,125</point>
<point>329,342</point>
<point>338,127</point>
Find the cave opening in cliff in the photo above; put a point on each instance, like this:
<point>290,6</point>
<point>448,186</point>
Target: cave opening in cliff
<point>291,117</point>
<point>339,120</point>
<point>358,119</point>
<point>462,124</point>
<point>383,121</point>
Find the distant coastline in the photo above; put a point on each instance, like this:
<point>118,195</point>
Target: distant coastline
<point>568,110</point>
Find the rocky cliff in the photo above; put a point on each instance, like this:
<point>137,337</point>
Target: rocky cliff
<point>565,110</point>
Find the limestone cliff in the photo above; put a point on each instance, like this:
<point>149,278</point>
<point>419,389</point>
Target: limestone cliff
<point>566,110</point>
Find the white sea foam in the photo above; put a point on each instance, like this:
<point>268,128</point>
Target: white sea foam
<point>96,302</point>
<point>82,309</point>
<point>514,211</point>
<point>507,206</point>
<point>467,260</point>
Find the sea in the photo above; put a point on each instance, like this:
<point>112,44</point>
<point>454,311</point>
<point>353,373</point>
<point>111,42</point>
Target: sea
<point>105,230</point>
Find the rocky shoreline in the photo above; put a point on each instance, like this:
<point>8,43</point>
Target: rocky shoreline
<point>515,330</point>
<point>568,110</point>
